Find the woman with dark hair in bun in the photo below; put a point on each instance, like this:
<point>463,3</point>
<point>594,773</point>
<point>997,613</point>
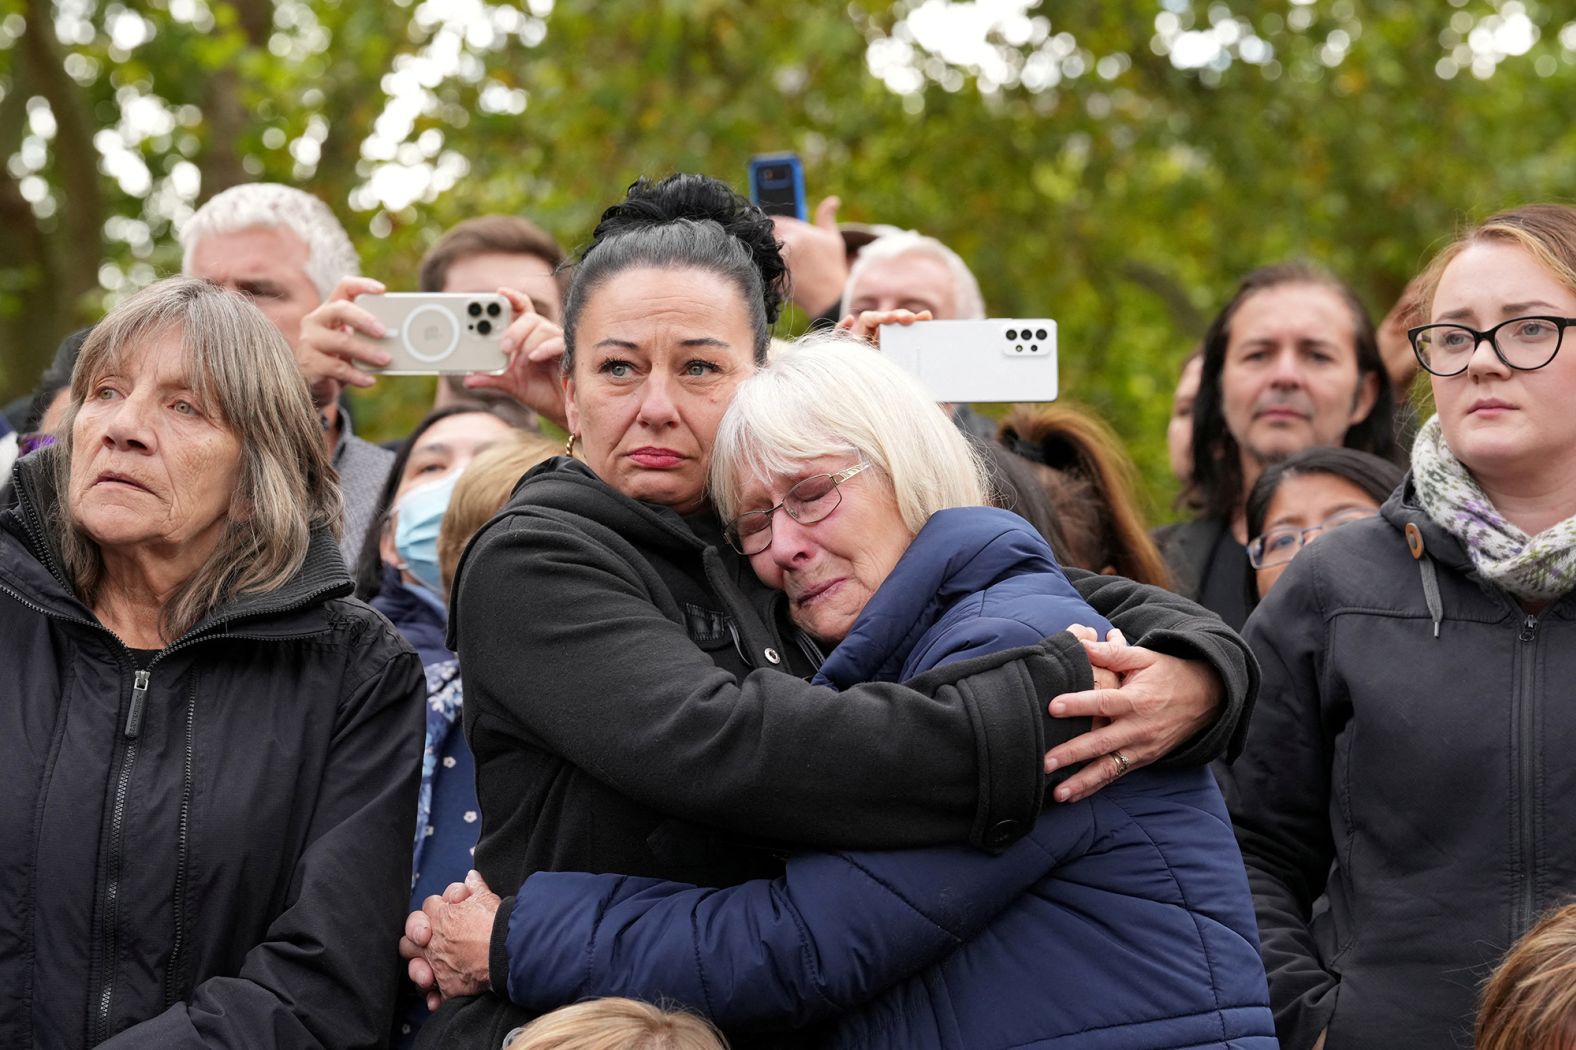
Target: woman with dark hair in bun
<point>636,700</point>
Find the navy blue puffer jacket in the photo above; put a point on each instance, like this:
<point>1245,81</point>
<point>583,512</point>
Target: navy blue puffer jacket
<point>1123,921</point>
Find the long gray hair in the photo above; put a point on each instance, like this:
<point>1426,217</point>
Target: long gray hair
<point>240,367</point>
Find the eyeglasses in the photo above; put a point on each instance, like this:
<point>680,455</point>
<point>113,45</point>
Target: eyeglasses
<point>1523,343</point>
<point>1280,545</point>
<point>807,502</point>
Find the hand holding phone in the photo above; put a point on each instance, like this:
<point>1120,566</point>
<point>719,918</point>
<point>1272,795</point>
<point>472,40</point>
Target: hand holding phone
<point>335,341</point>
<point>534,345</point>
<point>440,333</point>
<point>998,359</point>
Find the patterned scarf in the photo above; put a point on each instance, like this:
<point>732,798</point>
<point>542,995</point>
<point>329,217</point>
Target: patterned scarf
<point>1536,568</point>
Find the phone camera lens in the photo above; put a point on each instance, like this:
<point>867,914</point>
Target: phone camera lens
<point>484,327</point>
<point>1034,349</point>
<point>493,310</point>
<point>1012,334</point>
<point>1040,334</point>
<point>475,309</point>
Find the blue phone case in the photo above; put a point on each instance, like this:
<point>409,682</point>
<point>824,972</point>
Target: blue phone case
<point>777,184</point>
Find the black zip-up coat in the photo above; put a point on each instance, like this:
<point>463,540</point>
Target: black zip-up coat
<point>626,701</point>
<point>1404,798</point>
<point>214,852</point>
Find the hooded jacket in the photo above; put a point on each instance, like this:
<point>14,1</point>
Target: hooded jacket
<point>915,949</point>
<point>213,851</point>
<point>626,701</point>
<point>1403,801</point>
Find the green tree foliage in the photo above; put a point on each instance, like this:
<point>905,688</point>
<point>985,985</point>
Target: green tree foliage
<point>1117,165</point>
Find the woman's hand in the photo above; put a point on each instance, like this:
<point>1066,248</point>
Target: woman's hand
<point>534,346</point>
<point>446,944</point>
<point>867,325</point>
<point>1160,702</point>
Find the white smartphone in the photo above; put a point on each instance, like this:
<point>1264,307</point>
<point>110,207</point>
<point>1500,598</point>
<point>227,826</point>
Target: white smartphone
<point>438,333</point>
<point>998,359</point>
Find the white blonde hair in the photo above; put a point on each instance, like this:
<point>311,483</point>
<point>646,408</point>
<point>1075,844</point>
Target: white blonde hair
<point>834,395</point>
<point>329,254</point>
<point>967,302</point>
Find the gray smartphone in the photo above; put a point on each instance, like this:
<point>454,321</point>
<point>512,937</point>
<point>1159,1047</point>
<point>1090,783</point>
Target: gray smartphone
<point>440,333</point>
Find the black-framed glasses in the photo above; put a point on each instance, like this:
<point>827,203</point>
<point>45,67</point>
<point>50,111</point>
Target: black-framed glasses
<point>810,500</point>
<point>1280,545</point>
<point>1523,343</point>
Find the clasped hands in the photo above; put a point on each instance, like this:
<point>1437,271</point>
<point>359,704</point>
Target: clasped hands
<point>447,943</point>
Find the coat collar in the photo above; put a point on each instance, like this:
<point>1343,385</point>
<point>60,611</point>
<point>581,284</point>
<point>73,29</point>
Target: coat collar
<point>958,552</point>
<point>34,563</point>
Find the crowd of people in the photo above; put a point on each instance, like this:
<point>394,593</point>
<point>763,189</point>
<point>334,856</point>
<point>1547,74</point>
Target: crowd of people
<point>681,687</point>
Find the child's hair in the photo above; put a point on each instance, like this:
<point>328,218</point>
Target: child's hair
<point>616,1024</point>
<point>1529,1002</point>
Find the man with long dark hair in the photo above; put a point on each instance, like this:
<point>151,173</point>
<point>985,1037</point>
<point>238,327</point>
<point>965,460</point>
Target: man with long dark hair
<point>1290,363</point>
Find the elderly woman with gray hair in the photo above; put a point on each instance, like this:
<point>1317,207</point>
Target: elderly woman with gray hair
<point>210,750</point>
<point>854,496</point>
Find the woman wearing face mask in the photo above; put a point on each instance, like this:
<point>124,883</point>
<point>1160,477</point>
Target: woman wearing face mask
<point>1403,800</point>
<point>398,571</point>
<point>447,814</point>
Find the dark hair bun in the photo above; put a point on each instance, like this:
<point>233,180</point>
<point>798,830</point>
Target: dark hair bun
<point>701,198</point>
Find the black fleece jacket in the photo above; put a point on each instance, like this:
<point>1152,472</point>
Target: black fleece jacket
<point>213,851</point>
<point>1404,797</point>
<point>628,706</point>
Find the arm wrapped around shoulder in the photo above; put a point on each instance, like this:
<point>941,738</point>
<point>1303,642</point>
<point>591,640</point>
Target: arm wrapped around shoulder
<point>985,687</point>
<point>1156,619</point>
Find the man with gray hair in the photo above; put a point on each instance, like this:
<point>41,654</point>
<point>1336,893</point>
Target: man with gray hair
<point>903,274</point>
<point>285,250</point>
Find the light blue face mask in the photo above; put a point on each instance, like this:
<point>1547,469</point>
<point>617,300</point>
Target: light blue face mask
<point>417,516</point>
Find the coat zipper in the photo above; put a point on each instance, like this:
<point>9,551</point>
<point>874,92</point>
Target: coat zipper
<point>104,997</point>
<point>1526,778</point>
<point>117,818</point>
<point>178,946</point>
<point>117,824</point>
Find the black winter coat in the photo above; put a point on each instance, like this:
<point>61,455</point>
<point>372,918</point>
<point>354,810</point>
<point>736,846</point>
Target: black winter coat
<point>1404,797</point>
<point>626,701</point>
<point>214,852</point>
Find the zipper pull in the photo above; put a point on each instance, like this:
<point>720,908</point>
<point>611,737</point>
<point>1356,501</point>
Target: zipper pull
<point>1529,628</point>
<point>139,694</point>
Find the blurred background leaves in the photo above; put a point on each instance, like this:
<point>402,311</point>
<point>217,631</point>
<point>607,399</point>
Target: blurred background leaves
<point>1116,165</point>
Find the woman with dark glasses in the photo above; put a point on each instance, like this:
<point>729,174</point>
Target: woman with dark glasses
<point>1403,801</point>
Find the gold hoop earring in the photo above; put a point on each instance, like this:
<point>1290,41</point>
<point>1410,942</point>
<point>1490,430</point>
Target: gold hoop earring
<point>569,446</point>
